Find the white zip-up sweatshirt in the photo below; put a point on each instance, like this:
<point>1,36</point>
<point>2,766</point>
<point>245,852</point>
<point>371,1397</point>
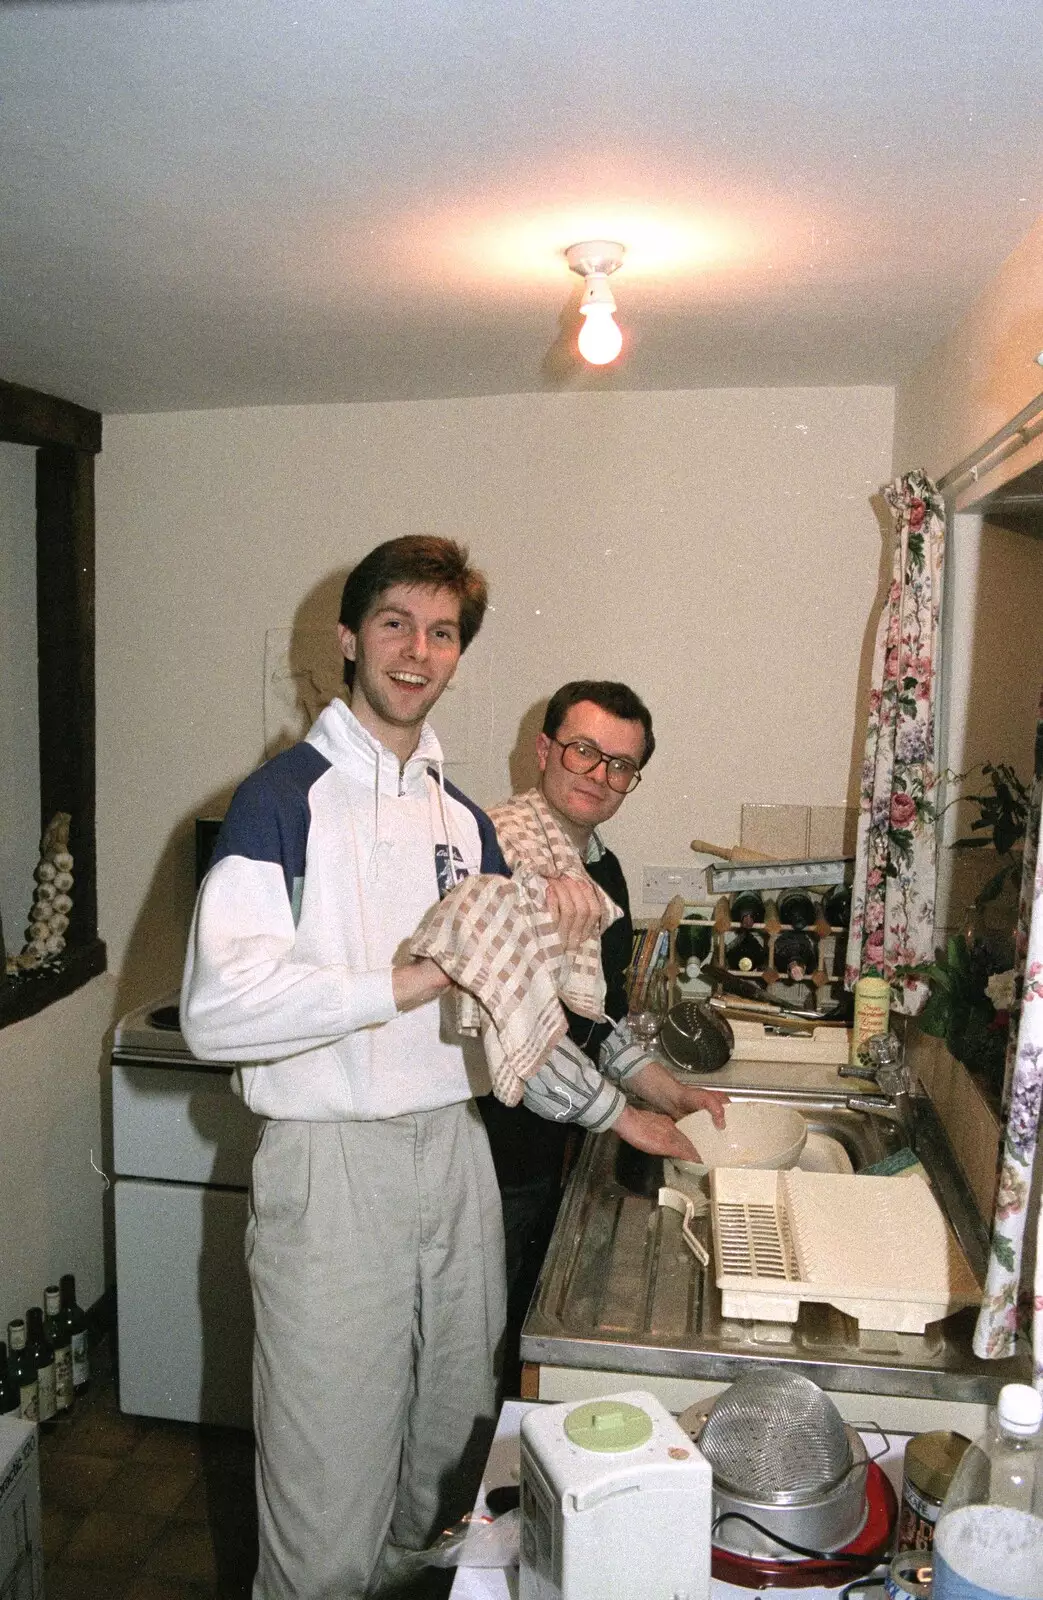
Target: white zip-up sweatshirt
<point>329,856</point>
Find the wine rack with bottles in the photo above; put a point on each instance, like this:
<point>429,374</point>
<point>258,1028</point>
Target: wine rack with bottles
<point>783,939</point>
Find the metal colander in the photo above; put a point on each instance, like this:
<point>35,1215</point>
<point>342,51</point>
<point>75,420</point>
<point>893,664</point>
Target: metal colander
<point>695,1037</point>
<point>776,1437</point>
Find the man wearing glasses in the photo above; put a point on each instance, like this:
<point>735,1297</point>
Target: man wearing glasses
<point>596,738</point>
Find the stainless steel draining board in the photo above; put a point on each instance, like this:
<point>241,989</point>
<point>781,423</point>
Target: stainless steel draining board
<point>621,1292</point>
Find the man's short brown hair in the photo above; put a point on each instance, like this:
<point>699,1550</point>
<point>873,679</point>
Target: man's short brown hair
<point>422,561</point>
<point>618,699</point>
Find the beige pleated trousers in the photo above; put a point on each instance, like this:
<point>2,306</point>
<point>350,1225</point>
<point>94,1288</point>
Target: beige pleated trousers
<point>375,1252</point>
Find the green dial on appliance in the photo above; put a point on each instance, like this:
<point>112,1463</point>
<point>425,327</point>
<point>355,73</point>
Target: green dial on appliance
<point>608,1425</point>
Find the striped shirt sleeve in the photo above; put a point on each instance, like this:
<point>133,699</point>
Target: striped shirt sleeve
<point>569,1088</point>
<point>621,1057</point>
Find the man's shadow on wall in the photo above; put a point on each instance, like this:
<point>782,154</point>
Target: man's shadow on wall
<point>302,668</point>
<point>522,764</point>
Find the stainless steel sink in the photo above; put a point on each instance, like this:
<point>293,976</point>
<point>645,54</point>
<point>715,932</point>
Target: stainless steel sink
<point>620,1291</point>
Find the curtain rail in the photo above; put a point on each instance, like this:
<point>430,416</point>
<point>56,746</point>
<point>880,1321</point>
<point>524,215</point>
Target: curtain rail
<point>1018,428</point>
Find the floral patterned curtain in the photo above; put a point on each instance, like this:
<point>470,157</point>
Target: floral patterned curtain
<point>892,912</point>
<point>995,1332</point>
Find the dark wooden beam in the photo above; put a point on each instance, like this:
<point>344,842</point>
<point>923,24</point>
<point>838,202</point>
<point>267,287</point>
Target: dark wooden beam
<point>27,417</point>
<point>65,655</point>
<point>66,438</point>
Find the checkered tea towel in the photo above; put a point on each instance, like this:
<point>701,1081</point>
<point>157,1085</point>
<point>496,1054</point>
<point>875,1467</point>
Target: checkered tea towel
<point>535,845</point>
<point>496,939</point>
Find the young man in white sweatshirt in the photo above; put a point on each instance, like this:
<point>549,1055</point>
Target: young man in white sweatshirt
<point>374,1244</point>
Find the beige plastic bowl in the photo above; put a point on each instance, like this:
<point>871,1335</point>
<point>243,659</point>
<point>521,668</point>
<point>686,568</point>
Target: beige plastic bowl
<point>755,1134</point>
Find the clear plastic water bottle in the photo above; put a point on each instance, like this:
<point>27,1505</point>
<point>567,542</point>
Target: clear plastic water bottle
<point>988,1544</point>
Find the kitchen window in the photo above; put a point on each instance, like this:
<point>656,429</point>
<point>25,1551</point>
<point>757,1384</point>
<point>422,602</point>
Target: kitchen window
<point>65,439</point>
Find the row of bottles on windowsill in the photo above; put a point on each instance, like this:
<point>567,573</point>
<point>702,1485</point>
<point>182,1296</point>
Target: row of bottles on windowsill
<point>45,1364</point>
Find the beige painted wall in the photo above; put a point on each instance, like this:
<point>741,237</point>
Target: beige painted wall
<point>716,549</point>
<point>54,1088</point>
<point>980,376</point>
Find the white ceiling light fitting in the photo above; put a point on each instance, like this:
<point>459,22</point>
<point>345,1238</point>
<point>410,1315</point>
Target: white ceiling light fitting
<point>600,339</point>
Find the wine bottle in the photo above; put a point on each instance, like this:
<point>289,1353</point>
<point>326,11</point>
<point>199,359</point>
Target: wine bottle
<point>22,1368</point>
<point>694,941</point>
<point>42,1352</point>
<point>748,952</point>
<point>796,953</point>
<point>61,1342</point>
<point>796,908</point>
<point>836,906</point>
<point>76,1323</point>
<point>10,1396</point>
<point>747,908</point>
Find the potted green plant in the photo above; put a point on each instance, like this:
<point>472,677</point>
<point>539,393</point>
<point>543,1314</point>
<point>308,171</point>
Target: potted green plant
<point>1000,826</point>
<point>962,1007</point>
<point>970,980</point>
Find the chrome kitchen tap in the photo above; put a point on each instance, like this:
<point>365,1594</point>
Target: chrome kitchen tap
<point>882,1061</point>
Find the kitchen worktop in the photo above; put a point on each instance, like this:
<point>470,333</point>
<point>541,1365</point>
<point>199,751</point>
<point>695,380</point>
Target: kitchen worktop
<point>621,1296</point>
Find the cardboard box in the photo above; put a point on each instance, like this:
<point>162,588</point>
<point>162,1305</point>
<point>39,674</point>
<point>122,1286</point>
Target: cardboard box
<point>21,1541</point>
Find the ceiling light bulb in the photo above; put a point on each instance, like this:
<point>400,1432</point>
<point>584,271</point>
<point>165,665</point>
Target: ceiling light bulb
<point>600,338</point>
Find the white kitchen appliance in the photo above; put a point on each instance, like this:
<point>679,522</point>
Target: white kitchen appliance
<point>182,1147</point>
<point>615,1503</point>
<point>21,1538</point>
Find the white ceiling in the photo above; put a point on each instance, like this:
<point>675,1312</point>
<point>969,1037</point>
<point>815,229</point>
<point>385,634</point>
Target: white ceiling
<point>232,202</point>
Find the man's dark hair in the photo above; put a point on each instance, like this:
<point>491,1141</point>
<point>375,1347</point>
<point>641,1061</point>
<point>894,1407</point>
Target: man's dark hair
<point>615,698</point>
<point>420,560</point>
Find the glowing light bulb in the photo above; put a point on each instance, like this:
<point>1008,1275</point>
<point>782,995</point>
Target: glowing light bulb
<point>600,338</point>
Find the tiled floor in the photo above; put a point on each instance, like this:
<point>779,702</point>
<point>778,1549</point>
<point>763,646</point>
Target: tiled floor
<point>139,1509</point>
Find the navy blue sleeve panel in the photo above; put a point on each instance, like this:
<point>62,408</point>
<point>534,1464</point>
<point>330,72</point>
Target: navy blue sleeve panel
<point>269,815</point>
<point>492,856</point>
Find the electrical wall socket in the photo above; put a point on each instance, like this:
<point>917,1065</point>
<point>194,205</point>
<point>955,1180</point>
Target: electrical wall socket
<point>660,884</point>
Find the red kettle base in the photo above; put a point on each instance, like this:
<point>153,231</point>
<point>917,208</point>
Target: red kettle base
<point>840,1566</point>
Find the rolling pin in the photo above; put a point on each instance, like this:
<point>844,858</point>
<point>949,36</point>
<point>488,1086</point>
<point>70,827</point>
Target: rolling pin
<point>729,852</point>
